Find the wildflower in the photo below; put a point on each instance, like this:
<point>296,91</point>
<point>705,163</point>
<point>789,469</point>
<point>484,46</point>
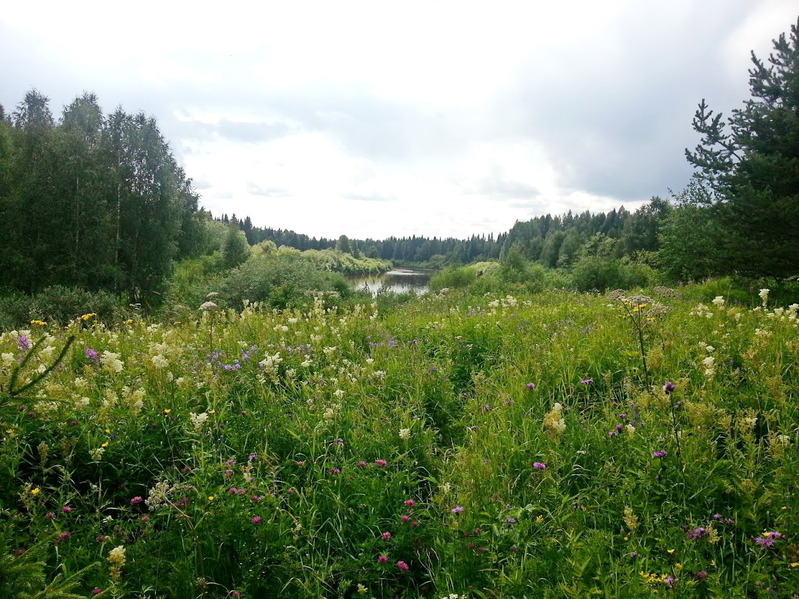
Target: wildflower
<point>457,509</point>
<point>402,566</point>
<point>764,296</point>
<point>718,301</point>
<point>66,509</point>
<point>117,556</point>
<point>768,538</point>
<point>381,463</point>
<point>135,500</point>
<point>410,502</point>
<point>211,498</point>
<point>586,381</point>
<point>256,519</point>
<point>299,463</point>
<point>539,465</point>
<point>669,387</point>
<point>361,464</point>
<point>383,559</point>
<point>697,533</point>
<point>660,454</point>
<point>386,536</point>
<point>23,342</point>
<point>144,518</point>
<point>253,457</point>
<point>88,317</point>
<point>64,536</point>
<point>553,420</point>
<point>209,307</point>
<point>531,386</point>
<point>700,576</point>
<point>510,520</point>
<point>405,518</point>
<point>335,470</point>
<point>35,491</point>
<point>405,434</point>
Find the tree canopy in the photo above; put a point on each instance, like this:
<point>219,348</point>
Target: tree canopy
<point>750,166</point>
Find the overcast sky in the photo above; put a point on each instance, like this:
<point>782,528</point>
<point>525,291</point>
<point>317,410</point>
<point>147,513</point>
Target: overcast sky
<point>380,118</point>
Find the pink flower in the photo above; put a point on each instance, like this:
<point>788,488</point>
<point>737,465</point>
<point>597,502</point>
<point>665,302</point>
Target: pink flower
<point>145,518</point>
<point>385,536</point>
<point>402,566</point>
<point>299,463</point>
<point>539,466</point>
<point>361,464</point>
<point>405,518</point>
<point>96,591</point>
<point>531,385</point>
<point>381,463</point>
<point>66,509</point>
<point>410,502</point>
<point>136,500</point>
<point>383,559</point>
<point>256,519</point>
<point>335,471</point>
<point>457,509</point>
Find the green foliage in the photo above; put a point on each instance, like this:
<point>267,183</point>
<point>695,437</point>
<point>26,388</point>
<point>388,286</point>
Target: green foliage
<point>600,273</point>
<point>282,280</point>
<point>93,201</point>
<point>235,249</point>
<point>753,170</point>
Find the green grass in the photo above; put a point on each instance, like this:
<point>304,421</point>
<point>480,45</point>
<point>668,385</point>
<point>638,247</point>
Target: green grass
<point>398,452</point>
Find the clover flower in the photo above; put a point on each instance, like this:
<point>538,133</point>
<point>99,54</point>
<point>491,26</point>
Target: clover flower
<point>539,465</point>
<point>402,566</point>
<point>660,454</point>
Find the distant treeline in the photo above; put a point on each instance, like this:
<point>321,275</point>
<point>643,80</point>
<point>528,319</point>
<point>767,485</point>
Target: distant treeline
<point>554,241</point>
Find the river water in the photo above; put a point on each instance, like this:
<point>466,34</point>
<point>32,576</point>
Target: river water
<point>400,280</point>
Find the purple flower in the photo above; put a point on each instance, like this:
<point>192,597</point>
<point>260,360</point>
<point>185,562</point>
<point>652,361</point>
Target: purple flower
<point>510,520</point>
<point>531,385</point>
<point>701,575</point>
<point>539,465</point>
<point>91,354</point>
<point>768,538</point>
<point>697,533</point>
<point>457,509</point>
<point>660,454</point>
<point>252,457</point>
<point>586,381</point>
<point>669,387</point>
<point>23,342</point>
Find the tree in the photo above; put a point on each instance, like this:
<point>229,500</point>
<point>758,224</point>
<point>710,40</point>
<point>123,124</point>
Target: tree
<point>751,165</point>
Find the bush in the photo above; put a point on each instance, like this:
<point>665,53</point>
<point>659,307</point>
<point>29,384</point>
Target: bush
<point>283,280</point>
<point>599,273</point>
<point>453,277</point>
<point>62,304</point>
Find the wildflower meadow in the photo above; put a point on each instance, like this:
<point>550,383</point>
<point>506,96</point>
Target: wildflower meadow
<point>448,446</point>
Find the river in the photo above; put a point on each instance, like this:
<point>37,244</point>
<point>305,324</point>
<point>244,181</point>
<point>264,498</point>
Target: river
<point>400,280</point>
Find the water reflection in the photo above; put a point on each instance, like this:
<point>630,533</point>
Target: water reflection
<point>400,280</point>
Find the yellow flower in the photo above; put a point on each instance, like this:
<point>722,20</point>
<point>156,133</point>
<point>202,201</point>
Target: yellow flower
<point>35,491</point>
<point>211,498</point>
<point>104,444</point>
<point>37,322</point>
<point>167,410</point>
<point>670,551</point>
<point>88,317</point>
<point>794,564</point>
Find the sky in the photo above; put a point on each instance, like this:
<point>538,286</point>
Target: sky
<point>374,118</point>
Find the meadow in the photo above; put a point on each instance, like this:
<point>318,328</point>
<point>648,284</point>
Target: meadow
<point>537,445</point>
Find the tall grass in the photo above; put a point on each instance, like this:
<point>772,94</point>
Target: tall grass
<point>490,446</point>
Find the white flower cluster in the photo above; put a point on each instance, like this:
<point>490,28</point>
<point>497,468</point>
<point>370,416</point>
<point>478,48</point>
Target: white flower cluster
<point>111,362</point>
<point>554,422</point>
